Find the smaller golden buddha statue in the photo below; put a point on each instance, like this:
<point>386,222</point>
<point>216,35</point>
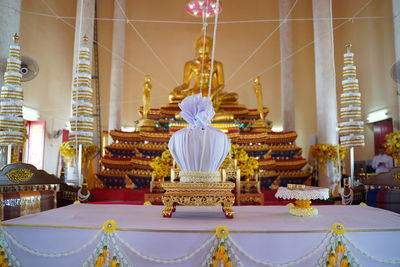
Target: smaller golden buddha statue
<point>258,91</point>
<point>146,95</point>
<point>198,70</point>
<point>260,124</point>
<point>144,121</point>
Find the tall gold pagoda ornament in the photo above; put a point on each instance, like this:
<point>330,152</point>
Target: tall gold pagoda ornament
<point>12,124</point>
<point>351,125</point>
<point>81,121</point>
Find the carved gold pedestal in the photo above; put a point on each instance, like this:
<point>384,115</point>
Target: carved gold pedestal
<point>198,194</point>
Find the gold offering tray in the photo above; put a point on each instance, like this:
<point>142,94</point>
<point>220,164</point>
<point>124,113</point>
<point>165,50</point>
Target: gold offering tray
<point>198,194</point>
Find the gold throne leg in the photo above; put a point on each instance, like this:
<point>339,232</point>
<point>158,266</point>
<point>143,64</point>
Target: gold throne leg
<point>227,204</point>
<point>169,206</point>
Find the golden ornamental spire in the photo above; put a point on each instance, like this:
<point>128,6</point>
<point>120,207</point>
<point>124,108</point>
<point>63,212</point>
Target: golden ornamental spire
<point>85,39</point>
<point>348,47</point>
<point>16,38</point>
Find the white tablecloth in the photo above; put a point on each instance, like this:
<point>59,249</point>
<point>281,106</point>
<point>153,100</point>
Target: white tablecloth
<point>266,233</point>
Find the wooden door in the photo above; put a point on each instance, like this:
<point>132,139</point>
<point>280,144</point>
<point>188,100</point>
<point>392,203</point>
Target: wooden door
<point>381,129</point>
<point>35,144</point>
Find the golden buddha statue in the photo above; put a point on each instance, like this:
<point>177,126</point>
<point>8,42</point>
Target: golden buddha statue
<point>199,70</point>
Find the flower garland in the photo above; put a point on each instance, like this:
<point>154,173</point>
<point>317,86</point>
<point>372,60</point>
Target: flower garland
<point>336,252</point>
<point>325,152</point>
<point>68,152</point>
<point>392,145</point>
<point>246,164</point>
<point>162,165</point>
<point>223,249</point>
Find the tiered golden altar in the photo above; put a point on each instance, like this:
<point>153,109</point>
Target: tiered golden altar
<point>128,158</point>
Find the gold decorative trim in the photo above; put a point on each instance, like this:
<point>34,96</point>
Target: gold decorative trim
<point>19,175</point>
<point>191,231</point>
<point>150,146</point>
<point>1,207</point>
<point>396,176</point>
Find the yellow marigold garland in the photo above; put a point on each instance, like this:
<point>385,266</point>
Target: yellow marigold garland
<point>68,152</point>
<point>392,145</point>
<point>162,165</point>
<point>324,152</point>
<point>246,164</point>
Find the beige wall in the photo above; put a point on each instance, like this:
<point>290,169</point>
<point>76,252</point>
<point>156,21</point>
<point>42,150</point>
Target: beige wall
<point>50,42</point>
<point>373,46</point>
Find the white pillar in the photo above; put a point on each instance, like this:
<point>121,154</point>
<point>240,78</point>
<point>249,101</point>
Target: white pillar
<point>84,10</point>
<point>117,66</point>
<point>396,27</point>
<point>9,24</point>
<point>325,84</point>
<point>287,83</point>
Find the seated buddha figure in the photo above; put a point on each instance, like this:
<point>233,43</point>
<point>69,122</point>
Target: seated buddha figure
<point>198,70</point>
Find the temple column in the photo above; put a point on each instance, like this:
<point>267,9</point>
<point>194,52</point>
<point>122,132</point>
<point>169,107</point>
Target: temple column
<point>396,28</point>
<point>9,24</point>
<point>325,84</point>
<point>83,25</point>
<point>287,83</point>
<point>117,66</point>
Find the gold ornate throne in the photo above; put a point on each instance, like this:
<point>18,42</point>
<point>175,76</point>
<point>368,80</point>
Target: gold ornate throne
<point>24,190</point>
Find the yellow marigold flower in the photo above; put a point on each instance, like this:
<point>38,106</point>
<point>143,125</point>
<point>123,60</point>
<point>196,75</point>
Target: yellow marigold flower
<point>225,257</point>
<point>222,231</point>
<point>338,228</point>
<point>221,249</point>
<point>344,262</point>
<point>109,226</point>
<point>214,263</point>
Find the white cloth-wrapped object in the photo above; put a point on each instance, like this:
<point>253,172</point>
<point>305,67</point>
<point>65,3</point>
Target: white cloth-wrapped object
<point>200,147</point>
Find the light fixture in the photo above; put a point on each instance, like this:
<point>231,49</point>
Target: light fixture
<point>277,129</point>
<point>197,7</point>
<point>30,114</point>
<point>378,115</point>
<point>128,128</point>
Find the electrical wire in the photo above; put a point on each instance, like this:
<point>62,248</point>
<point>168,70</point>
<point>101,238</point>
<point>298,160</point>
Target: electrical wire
<point>198,23</point>
<point>147,44</point>
<point>137,69</point>
<point>299,50</point>
<point>262,43</point>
